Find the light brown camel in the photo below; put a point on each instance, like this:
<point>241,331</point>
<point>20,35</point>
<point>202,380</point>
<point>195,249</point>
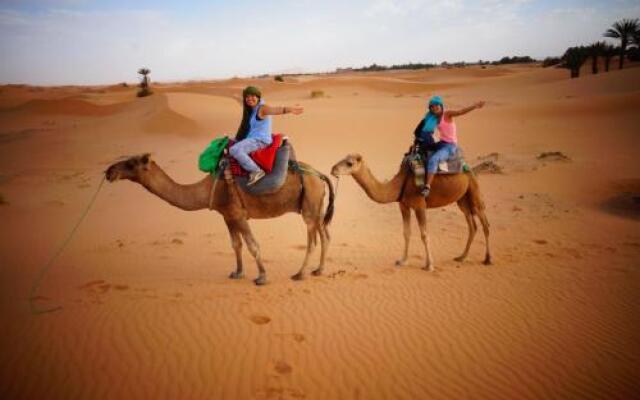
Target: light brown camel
<point>237,207</point>
<point>461,188</point>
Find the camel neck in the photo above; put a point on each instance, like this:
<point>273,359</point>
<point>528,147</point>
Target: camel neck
<point>380,192</point>
<point>186,197</point>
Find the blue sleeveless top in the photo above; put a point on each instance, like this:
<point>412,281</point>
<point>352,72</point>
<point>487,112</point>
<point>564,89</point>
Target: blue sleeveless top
<point>259,129</point>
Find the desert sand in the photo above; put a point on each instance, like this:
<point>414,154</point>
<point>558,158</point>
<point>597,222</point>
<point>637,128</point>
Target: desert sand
<point>149,312</point>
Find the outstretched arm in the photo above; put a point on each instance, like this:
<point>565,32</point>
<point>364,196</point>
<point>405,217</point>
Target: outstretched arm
<point>280,110</point>
<point>456,113</point>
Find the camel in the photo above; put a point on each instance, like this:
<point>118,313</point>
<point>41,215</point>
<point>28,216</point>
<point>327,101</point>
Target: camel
<point>299,194</point>
<point>446,188</point>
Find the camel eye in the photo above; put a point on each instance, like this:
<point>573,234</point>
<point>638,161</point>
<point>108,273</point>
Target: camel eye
<point>349,164</point>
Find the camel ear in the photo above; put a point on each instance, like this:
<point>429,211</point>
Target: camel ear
<point>358,158</point>
<point>145,158</point>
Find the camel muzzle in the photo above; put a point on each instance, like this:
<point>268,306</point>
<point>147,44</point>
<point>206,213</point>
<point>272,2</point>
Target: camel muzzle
<point>111,174</point>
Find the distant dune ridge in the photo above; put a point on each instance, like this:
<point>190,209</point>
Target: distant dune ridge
<point>148,310</point>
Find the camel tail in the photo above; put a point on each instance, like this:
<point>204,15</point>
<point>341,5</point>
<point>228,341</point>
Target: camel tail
<point>473,194</point>
<point>328,215</point>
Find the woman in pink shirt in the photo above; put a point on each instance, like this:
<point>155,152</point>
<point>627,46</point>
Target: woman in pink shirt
<point>448,143</point>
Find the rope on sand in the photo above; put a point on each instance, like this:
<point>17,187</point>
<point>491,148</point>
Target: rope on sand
<point>41,274</point>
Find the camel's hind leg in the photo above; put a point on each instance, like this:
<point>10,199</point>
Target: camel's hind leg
<point>406,232</point>
<point>236,243</point>
<point>311,245</point>
<point>473,228</point>
<point>485,228</point>
<point>421,216</point>
<point>254,249</point>
<point>324,247</point>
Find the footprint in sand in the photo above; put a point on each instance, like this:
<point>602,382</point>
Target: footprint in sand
<point>298,337</point>
<point>91,283</point>
<point>283,368</point>
<point>260,319</point>
<point>540,241</point>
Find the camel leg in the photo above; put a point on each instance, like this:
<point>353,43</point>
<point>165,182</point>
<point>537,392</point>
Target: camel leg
<point>485,228</point>
<point>421,216</point>
<point>471,224</point>
<point>324,247</point>
<point>311,245</point>
<point>254,249</point>
<point>406,231</point>
<point>236,243</point>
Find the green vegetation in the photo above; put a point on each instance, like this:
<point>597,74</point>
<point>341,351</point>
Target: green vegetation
<point>595,51</point>
<point>145,89</point>
<point>278,78</point>
<point>551,61</point>
<point>626,31</point>
<point>573,58</point>
<point>317,94</point>
<point>514,60</point>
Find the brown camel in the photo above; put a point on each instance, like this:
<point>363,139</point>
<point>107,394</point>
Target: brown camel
<point>461,188</point>
<point>237,207</point>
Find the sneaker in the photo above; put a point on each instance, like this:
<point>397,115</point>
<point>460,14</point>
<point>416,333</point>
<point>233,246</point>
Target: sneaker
<point>254,177</point>
<point>425,191</point>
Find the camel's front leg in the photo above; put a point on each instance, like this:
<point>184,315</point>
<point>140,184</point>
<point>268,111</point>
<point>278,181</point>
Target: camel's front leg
<point>236,243</point>
<point>254,249</point>
<point>421,216</point>
<point>406,231</point>
<point>311,245</point>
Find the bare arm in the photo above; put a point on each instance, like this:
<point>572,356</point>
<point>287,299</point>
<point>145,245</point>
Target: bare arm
<point>457,113</point>
<point>280,110</point>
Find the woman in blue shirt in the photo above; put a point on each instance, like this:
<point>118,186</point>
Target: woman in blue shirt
<point>254,132</point>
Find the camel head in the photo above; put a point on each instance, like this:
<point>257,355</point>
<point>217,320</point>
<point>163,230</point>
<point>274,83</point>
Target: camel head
<point>348,165</point>
<point>132,168</point>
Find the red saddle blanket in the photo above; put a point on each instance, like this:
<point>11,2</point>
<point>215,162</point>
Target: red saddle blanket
<point>263,157</point>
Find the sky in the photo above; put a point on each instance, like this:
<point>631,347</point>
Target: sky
<point>53,42</point>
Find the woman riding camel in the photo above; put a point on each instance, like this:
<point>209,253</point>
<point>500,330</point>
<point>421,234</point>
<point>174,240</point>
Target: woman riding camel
<point>254,132</point>
<point>446,147</point>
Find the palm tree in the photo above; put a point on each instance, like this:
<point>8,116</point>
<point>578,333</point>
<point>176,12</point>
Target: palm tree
<point>573,59</point>
<point>595,51</point>
<point>144,83</point>
<point>608,51</point>
<point>623,30</point>
<point>145,79</point>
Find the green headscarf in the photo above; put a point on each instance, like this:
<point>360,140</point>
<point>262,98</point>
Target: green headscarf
<point>243,129</point>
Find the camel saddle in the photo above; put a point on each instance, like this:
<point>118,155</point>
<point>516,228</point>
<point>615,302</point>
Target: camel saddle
<point>416,160</point>
<point>275,178</point>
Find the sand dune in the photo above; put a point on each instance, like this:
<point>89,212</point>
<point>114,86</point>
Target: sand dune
<point>148,310</point>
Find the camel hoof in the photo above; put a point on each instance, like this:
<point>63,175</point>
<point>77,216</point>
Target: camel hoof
<point>401,263</point>
<point>460,259</point>
<point>487,261</point>
<point>316,272</point>
<point>298,277</point>
<point>236,275</point>
<point>428,269</point>
<point>261,280</point>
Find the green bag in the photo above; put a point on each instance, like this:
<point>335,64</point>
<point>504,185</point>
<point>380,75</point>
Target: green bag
<point>210,157</point>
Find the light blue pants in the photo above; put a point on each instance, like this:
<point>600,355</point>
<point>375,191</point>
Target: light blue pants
<point>445,151</point>
<point>241,150</point>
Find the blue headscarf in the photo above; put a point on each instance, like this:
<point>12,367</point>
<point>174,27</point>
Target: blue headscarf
<point>431,120</point>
